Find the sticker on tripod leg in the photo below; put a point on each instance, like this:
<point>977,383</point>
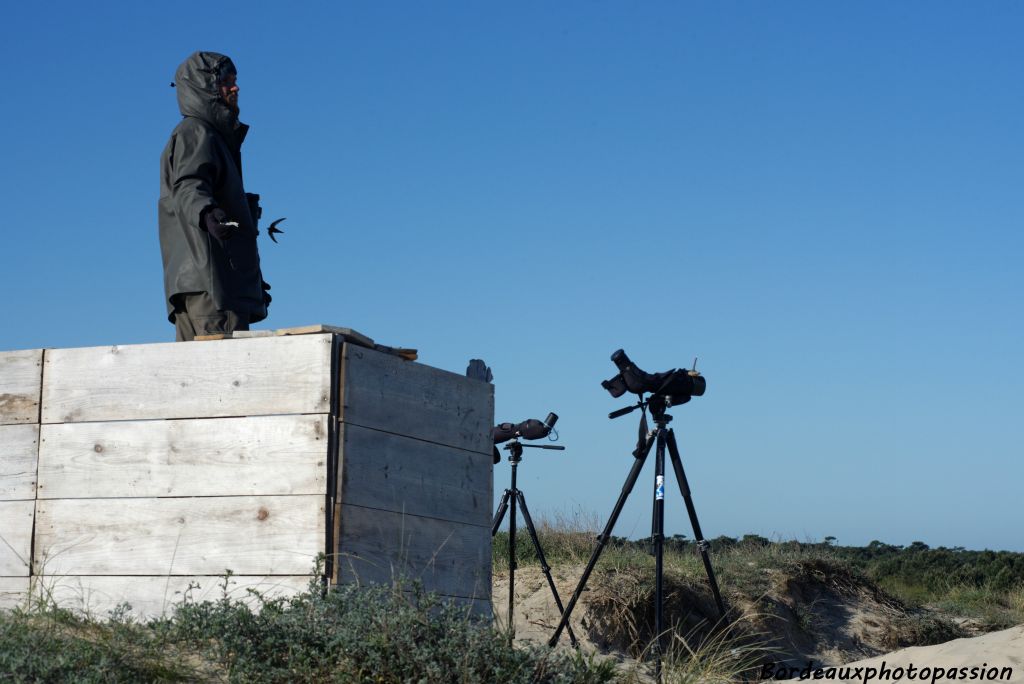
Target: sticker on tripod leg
<point>659,487</point>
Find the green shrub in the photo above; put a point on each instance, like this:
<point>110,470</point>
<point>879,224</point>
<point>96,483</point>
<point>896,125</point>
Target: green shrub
<point>348,634</point>
<point>366,634</point>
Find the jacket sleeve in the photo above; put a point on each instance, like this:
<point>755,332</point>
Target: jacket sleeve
<point>194,173</point>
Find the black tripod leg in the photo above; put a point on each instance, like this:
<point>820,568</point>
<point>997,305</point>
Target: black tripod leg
<point>684,487</point>
<point>543,562</point>
<point>499,515</point>
<point>606,534</point>
<point>658,537</point>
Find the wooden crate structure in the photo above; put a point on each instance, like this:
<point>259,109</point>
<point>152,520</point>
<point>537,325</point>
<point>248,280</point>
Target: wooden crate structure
<point>130,473</point>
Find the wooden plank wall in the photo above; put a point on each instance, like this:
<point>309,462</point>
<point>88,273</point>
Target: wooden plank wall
<point>131,473</point>
<point>168,464</point>
<point>20,391</point>
<point>414,492</point>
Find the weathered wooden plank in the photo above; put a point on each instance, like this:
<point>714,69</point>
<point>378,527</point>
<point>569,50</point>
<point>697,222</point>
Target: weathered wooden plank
<point>152,597</point>
<point>15,537</point>
<point>404,475</point>
<point>263,455</point>
<point>378,547</point>
<point>20,382</point>
<point>472,607</point>
<point>19,448</point>
<point>262,376</point>
<point>249,535</point>
<point>384,392</point>
<point>347,333</point>
<point>14,592</point>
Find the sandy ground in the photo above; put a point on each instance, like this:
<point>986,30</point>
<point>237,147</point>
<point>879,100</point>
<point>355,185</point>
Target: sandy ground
<point>535,614</point>
<point>997,649</point>
<point>536,617</point>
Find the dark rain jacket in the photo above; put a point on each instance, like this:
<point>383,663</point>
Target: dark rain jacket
<point>201,168</point>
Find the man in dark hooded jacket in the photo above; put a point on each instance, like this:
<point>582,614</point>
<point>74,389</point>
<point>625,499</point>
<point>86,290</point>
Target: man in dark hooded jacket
<point>212,278</point>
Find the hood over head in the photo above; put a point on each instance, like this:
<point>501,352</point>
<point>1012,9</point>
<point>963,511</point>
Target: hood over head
<point>197,82</point>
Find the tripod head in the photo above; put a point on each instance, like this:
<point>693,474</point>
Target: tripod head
<point>657,403</point>
<point>515,449</point>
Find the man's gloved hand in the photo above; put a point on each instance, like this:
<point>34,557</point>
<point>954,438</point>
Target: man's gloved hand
<point>266,295</point>
<point>216,224</point>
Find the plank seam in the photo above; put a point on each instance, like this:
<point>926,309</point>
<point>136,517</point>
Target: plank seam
<point>162,420</point>
<point>418,439</point>
<point>187,574</point>
<point>454,596</point>
<point>333,449</point>
<point>485,526</point>
<point>182,496</point>
<point>39,448</point>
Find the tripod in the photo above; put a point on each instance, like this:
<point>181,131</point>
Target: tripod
<point>663,436</point>
<point>509,499</point>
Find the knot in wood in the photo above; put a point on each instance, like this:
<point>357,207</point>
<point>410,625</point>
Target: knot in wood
<point>263,514</point>
<point>98,448</point>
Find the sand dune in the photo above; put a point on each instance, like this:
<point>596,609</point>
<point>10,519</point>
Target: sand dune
<point>997,650</point>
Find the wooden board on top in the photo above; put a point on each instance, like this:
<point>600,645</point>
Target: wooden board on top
<point>263,376</point>
<point>348,333</point>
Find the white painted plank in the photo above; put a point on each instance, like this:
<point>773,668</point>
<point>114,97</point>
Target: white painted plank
<point>20,379</point>
<point>15,537</point>
<point>261,376</point>
<point>378,547</point>
<point>19,447</point>
<point>14,592</point>
<point>385,392</point>
<point>404,475</point>
<point>152,597</point>
<point>250,535</point>
<point>265,455</point>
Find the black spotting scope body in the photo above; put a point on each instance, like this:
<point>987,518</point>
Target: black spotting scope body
<point>679,384</point>
<point>528,429</point>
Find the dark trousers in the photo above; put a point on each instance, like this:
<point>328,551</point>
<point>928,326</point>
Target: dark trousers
<point>196,314</point>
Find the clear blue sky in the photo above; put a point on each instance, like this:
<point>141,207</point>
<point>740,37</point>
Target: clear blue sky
<point>820,200</point>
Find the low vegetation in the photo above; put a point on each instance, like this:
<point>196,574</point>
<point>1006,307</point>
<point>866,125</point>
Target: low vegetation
<point>352,634</point>
<point>782,597</point>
